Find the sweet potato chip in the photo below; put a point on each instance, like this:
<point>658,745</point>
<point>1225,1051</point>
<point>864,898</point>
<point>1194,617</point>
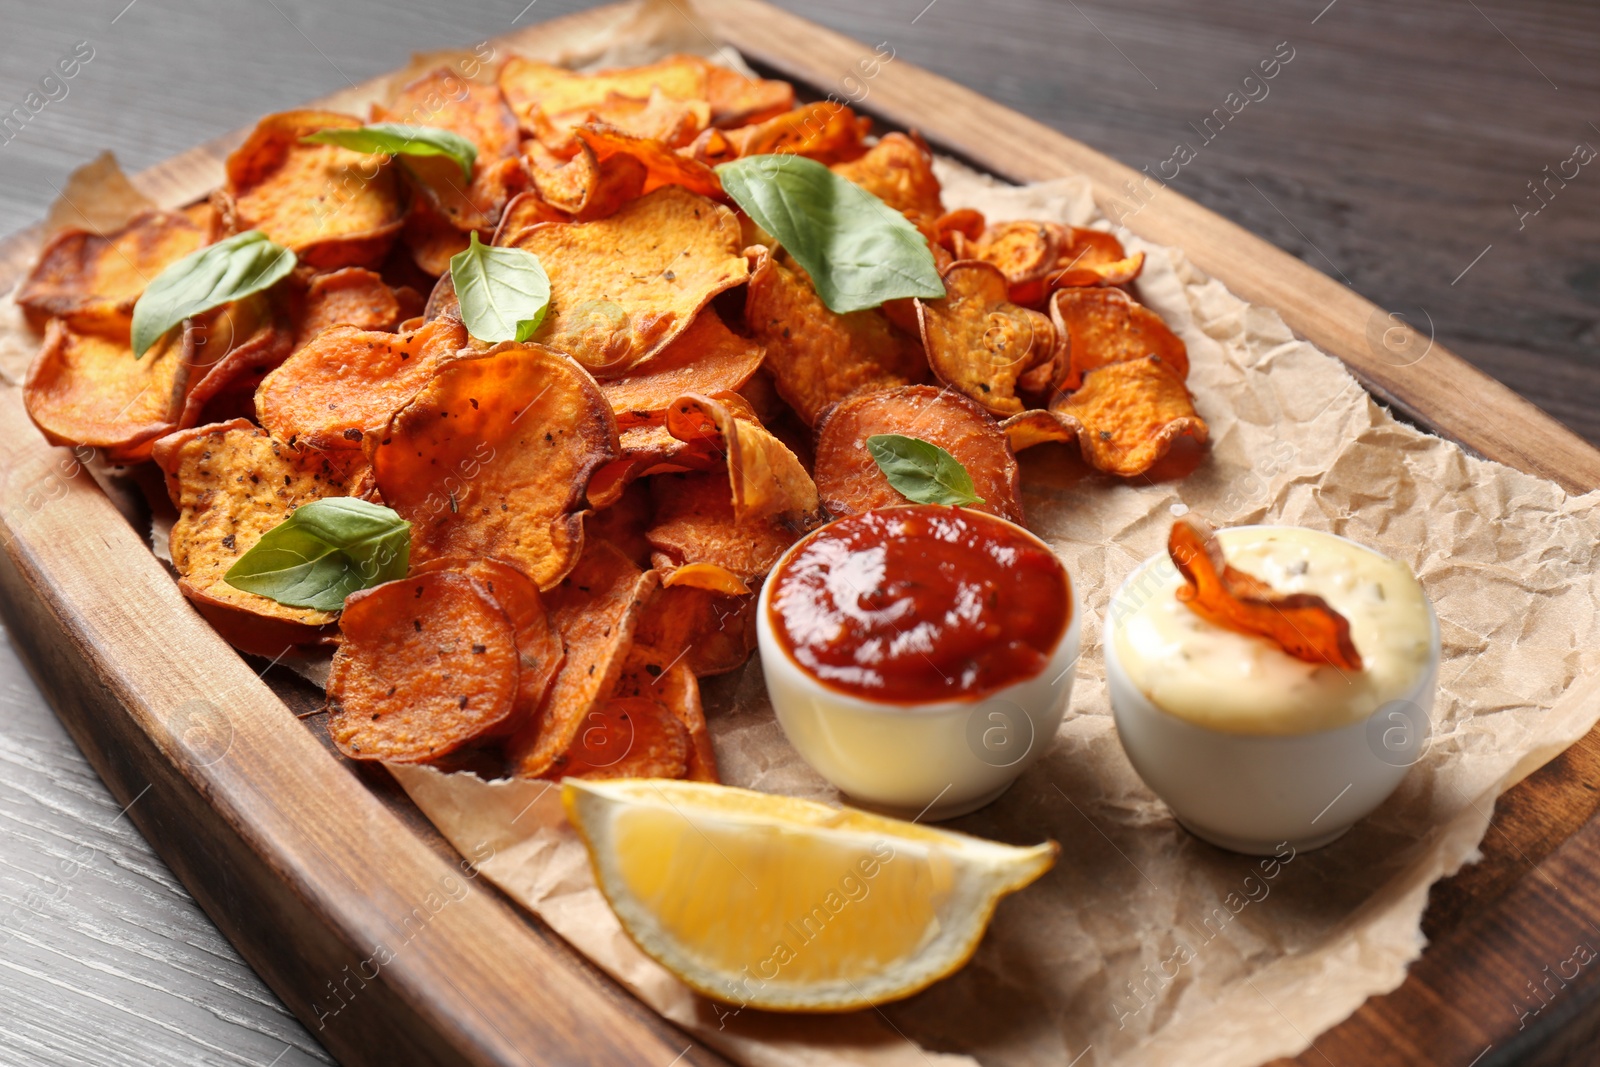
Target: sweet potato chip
<point>428,664</point>
<point>431,238</point>
<point>706,358</point>
<point>595,609</point>
<point>478,112</point>
<point>93,281</point>
<point>768,480</point>
<point>347,382</point>
<point>492,456</point>
<point>817,356</point>
<point>332,207</point>
<point>645,450</point>
<point>1103,326</point>
<point>953,229</point>
<point>353,296</point>
<point>539,650</point>
<point>1127,415</point>
<point>257,635</point>
<point>662,165</point>
<point>624,288</point>
<point>695,524</point>
<point>237,346</point>
<point>708,632</point>
<point>650,676</point>
<point>826,131</point>
<point>626,737</point>
<point>1025,252</point>
<point>707,576</point>
<point>231,484</point>
<point>623,521</point>
<point>87,389</point>
<point>675,123</point>
<point>733,98</point>
<point>848,478</point>
<point>1093,257</point>
<point>899,171</point>
<point>525,210</point>
<point>582,187</point>
<point>1304,625</point>
<point>978,341</point>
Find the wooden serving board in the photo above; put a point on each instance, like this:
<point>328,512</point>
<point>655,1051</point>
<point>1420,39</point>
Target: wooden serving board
<point>310,866</point>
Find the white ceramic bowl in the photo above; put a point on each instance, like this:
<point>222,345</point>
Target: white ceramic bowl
<point>1253,793</point>
<point>934,760</point>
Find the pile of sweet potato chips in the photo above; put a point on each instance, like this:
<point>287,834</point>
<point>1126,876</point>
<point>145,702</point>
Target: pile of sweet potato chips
<point>591,511</point>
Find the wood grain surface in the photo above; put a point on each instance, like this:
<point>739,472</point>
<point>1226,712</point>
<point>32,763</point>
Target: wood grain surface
<point>1388,157</point>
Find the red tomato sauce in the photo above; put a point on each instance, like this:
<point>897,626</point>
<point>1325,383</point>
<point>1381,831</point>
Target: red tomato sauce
<point>920,604</point>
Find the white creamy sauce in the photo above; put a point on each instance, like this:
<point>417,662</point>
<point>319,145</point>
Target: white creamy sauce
<point>1239,683</point>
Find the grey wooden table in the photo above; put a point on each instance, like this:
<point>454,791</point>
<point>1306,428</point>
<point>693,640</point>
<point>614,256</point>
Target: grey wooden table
<point>1421,152</point>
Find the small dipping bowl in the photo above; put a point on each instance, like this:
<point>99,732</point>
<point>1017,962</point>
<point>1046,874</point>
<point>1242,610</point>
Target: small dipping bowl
<point>1251,792</point>
<point>934,759</point>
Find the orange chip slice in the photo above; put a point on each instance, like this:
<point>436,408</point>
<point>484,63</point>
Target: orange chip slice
<point>978,341</point>
<point>658,117</point>
<point>817,356</point>
<point>428,664</point>
<point>431,238</point>
<point>1104,326</point>
<point>653,676</point>
<point>1025,252</point>
<point>1127,415</point>
<point>87,389</point>
<point>347,382</point>
<point>626,737</point>
<point>732,97</point>
<point>646,450</point>
<point>768,480</point>
<point>707,576</point>
<point>353,296</point>
<point>595,609</point>
<point>706,358</point>
<point>707,631</point>
<point>695,523</point>
<point>332,207</point>
<point>93,281</point>
<point>525,210</point>
<point>1093,257</point>
<point>899,171</point>
<point>662,165</point>
<point>1302,624</point>
<point>492,455</point>
<point>231,484</point>
<point>539,650</point>
<point>826,131</point>
<point>239,344</point>
<point>582,187</point>
<point>624,288</point>
<point>849,480</point>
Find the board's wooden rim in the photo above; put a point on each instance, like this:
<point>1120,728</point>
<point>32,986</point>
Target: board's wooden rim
<point>476,988</point>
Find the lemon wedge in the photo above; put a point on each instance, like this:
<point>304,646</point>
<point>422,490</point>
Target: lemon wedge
<point>786,904</point>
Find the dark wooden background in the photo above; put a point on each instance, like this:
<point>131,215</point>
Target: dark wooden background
<point>1390,152</point>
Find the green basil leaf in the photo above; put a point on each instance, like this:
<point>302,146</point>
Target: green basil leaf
<point>325,551</point>
<point>921,471</point>
<point>858,250</point>
<point>399,139</point>
<point>504,292</point>
<point>215,275</point>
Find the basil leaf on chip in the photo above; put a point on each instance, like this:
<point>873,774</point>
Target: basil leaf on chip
<point>859,251</point>
<point>325,551</point>
<point>215,275</point>
<point>399,139</point>
<point>504,292</point>
<point>922,472</point>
